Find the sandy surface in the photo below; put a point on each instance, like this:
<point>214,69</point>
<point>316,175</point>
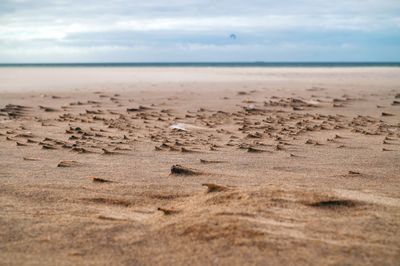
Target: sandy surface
<point>261,166</point>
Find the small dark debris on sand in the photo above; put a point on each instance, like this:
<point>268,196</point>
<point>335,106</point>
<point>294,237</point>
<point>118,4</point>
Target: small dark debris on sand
<point>309,141</point>
<point>80,150</point>
<point>183,149</point>
<point>354,173</point>
<point>47,109</point>
<point>167,211</point>
<point>181,170</point>
<point>334,203</point>
<point>100,180</point>
<point>387,114</point>
<point>20,144</point>
<point>138,109</point>
<point>384,149</point>
<point>210,161</point>
<point>30,159</point>
<point>107,152</point>
<point>255,150</point>
<point>67,164</point>
<point>110,218</point>
<point>48,147</point>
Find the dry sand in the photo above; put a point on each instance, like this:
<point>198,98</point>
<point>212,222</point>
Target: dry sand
<point>261,166</point>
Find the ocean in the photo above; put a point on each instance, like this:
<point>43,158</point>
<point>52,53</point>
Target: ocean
<point>212,64</point>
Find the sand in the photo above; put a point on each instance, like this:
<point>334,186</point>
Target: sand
<point>241,166</point>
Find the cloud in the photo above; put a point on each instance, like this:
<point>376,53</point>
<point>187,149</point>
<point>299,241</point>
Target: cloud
<point>94,27</point>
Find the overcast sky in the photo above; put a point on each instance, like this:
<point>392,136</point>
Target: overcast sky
<point>199,30</point>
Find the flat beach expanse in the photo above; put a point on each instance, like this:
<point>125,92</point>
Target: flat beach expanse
<point>199,166</point>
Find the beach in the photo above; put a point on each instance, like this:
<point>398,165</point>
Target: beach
<point>199,165</point>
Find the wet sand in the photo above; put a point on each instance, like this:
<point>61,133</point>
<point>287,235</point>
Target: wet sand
<point>199,166</point>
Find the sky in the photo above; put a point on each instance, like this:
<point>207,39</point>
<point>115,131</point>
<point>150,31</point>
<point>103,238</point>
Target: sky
<point>66,31</point>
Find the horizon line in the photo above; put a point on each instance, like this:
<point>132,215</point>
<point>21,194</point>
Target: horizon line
<point>204,63</point>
